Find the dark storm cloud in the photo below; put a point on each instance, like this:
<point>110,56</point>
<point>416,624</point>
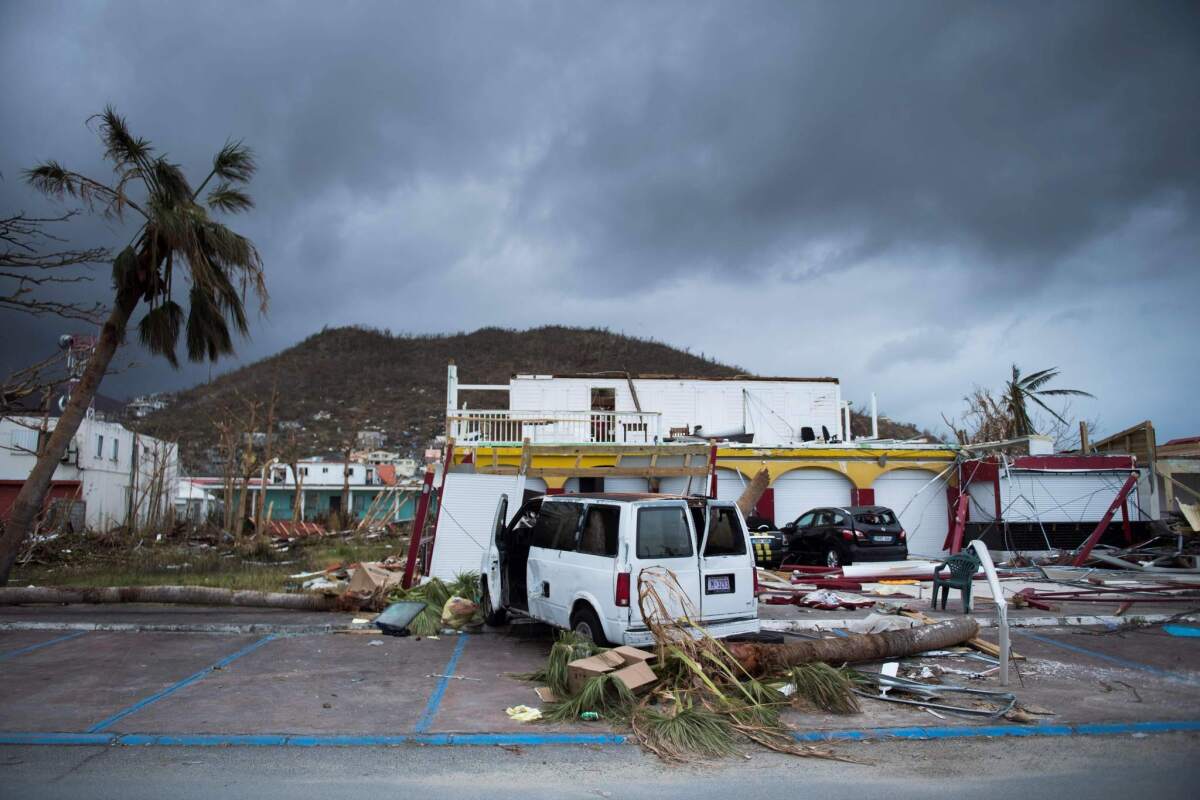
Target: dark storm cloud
<point>421,165</point>
<point>1014,133</point>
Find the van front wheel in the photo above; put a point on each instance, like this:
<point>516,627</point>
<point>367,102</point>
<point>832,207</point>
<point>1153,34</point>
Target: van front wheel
<point>492,617</point>
<point>586,625</point>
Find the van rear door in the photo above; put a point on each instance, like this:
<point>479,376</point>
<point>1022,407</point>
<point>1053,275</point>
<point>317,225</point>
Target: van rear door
<point>726,566</point>
<point>663,537</point>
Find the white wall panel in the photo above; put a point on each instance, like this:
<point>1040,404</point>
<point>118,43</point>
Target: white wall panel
<point>801,489</point>
<point>922,508</point>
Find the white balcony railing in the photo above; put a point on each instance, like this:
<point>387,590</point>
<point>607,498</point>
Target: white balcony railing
<point>554,427</point>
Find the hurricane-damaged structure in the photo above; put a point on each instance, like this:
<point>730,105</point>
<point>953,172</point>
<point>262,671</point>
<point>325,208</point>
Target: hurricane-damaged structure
<point>617,432</point>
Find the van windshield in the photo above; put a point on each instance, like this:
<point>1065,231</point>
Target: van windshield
<point>663,533</point>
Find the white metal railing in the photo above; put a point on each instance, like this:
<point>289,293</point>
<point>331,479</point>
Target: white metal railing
<point>554,427</point>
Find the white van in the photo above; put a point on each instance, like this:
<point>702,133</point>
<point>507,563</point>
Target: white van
<point>573,561</point>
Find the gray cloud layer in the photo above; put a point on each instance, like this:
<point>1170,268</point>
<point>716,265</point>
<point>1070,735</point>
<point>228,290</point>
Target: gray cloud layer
<point>910,195</point>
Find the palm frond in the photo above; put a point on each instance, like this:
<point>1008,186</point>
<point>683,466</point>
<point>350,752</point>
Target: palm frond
<point>1038,379</point>
<point>603,694</point>
<point>689,731</point>
<point>825,687</point>
<point>234,163</point>
<point>122,147</point>
<point>207,332</point>
<point>171,185</point>
<point>1066,392</point>
<point>1056,415</point>
<point>226,198</point>
<point>159,330</point>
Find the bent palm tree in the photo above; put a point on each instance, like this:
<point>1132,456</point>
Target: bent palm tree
<point>176,235</point>
<point>1019,390</point>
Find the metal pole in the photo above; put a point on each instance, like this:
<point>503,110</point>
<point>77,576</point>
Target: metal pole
<point>989,570</point>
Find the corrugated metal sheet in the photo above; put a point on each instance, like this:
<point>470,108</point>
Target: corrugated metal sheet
<point>1061,497</point>
<point>801,489</point>
<point>922,509</point>
<point>465,520</point>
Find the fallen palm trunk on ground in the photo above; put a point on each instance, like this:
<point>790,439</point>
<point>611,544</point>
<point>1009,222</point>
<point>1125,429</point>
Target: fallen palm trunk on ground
<point>185,595</point>
<point>763,659</point>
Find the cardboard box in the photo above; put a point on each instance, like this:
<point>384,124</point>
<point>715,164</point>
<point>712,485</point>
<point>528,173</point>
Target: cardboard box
<point>546,694</point>
<point>372,577</point>
<point>632,655</point>
<point>579,670</point>
<point>638,677</point>
<point>627,664</point>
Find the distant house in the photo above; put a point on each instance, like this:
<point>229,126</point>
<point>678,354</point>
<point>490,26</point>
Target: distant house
<point>371,488</point>
<point>146,404</point>
<point>371,439</point>
<point>108,477</point>
<point>404,467</point>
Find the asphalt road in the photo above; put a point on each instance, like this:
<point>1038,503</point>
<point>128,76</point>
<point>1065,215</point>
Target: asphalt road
<point>1159,767</point>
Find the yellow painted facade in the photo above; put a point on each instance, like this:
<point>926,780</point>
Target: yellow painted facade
<point>861,465</point>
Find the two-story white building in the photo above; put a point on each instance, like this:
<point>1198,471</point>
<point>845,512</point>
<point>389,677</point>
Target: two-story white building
<point>109,476</point>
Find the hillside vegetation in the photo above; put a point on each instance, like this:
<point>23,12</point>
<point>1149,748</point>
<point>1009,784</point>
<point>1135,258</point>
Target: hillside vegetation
<point>369,379</point>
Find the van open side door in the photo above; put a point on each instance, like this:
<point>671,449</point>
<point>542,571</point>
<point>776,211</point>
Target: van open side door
<point>496,552</point>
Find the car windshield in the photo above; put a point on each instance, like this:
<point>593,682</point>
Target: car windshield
<point>884,517</point>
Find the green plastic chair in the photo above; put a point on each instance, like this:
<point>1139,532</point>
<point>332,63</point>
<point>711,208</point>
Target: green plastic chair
<point>962,577</point>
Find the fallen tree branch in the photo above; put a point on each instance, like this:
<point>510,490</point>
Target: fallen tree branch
<point>762,659</point>
<point>184,595</point>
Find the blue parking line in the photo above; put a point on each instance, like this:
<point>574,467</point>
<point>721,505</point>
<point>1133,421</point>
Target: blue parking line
<point>435,699</point>
<point>175,687</point>
<point>1124,662</point>
<point>991,731</point>
<point>39,646</point>
<point>549,738</point>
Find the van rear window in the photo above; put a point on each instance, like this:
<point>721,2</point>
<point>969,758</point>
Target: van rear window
<point>725,535</point>
<point>600,529</point>
<point>663,533</point>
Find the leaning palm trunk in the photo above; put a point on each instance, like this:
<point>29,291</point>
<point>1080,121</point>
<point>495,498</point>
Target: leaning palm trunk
<point>763,659</point>
<point>32,497</point>
<point>185,595</point>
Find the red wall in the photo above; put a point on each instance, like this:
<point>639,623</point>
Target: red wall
<point>59,490</point>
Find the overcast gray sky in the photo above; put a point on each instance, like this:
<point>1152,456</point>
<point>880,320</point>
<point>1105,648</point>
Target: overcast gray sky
<point>908,195</point>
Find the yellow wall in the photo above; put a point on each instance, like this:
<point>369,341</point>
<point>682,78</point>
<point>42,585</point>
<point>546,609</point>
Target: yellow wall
<point>861,466</point>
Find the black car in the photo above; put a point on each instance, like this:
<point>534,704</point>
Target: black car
<point>836,537</point>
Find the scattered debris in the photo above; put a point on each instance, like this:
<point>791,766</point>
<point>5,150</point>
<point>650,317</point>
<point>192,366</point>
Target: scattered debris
<point>524,713</point>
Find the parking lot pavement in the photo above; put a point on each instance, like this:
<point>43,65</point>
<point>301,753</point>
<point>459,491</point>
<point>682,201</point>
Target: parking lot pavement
<point>361,686</point>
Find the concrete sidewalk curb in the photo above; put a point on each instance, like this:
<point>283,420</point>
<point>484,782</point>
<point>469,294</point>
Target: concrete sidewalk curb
<point>1082,620</point>
<point>773,625</point>
<point>262,628</point>
<point>544,739</point>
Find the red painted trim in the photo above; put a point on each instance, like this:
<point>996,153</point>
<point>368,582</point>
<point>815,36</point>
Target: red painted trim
<point>550,490</point>
<point>53,484</point>
<point>988,468</point>
<point>712,469</point>
<point>414,542</point>
<point>447,463</point>
<point>862,497</point>
<point>1074,462</point>
<point>996,488</point>
<point>1085,549</point>
<point>766,504</point>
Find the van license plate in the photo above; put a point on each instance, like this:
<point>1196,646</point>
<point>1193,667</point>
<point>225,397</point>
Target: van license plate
<point>718,584</point>
<point>881,538</point>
